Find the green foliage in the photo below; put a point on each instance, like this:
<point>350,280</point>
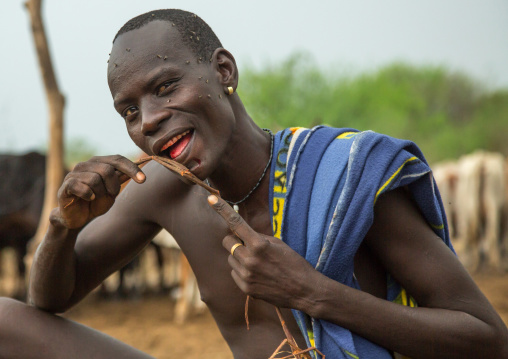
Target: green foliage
<point>446,113</point>
<point>78,149</point>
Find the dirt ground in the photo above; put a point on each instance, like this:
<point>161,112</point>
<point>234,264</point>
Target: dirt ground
<point>147,324</point>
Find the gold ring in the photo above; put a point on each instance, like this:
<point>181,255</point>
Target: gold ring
<point>235,246</point>
<point>231,90</point>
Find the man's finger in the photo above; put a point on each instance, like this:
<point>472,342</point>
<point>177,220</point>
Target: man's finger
<point>234,221</point>
<point>233,243</point>
<point>124,167</point>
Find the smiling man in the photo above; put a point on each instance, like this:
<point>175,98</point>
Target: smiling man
<point>351,241</point>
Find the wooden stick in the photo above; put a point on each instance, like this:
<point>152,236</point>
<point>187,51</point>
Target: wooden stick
<point>247,312</point>
<point>290,340</point>
<point>184,172</point>
<point>171,165</point>
<point>279,348</point>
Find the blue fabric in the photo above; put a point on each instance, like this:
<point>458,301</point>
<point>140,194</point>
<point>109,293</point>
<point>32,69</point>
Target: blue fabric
<point>323,199</point>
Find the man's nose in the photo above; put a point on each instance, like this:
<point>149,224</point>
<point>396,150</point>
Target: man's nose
<point>152,116</point>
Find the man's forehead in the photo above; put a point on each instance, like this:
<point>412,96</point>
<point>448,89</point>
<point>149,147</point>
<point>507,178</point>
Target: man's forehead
<point>156,35</point>
<point>154,44</point>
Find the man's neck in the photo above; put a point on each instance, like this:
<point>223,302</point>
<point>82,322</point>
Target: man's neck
<point>245,160</point>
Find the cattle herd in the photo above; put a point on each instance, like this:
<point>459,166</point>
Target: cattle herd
<point>21,199</point>
<point>474,190</point>
<point>161,268</point>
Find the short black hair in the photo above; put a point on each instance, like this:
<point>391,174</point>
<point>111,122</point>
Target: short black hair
<point>194,32</point>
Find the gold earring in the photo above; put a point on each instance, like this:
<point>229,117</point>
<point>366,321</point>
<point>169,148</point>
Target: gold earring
<point>230,90</point>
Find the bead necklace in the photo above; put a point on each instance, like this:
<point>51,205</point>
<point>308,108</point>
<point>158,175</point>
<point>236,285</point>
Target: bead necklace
<point>235,204</point>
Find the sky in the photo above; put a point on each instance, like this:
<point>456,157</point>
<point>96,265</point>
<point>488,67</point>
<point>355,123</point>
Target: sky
<point>342,36</point>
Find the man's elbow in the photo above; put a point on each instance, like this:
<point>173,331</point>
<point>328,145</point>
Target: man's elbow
<point>46,306</point>
<point>50,305</point>
<point>497,343</point>
<point>503,345</point>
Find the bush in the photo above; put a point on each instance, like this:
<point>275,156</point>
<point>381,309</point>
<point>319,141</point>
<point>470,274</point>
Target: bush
<point>446,113</point>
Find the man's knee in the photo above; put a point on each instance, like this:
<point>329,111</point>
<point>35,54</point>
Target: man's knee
<point>10,310</point>
<point>7,305</point>
<point>10,321</point>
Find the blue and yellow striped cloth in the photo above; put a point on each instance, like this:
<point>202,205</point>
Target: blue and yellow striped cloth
<point>325,182</point>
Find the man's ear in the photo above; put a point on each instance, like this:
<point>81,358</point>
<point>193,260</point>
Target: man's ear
<point>225,65</point>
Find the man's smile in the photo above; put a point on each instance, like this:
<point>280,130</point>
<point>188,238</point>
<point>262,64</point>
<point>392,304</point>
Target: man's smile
<point>176,144</point>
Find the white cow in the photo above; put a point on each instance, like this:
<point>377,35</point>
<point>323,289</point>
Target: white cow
<point>446,176</point>
<point>188,298</point>
<point>478,207</point>
<point>494,192</point>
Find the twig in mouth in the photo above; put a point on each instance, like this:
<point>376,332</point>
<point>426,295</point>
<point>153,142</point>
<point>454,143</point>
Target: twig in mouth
<point>171,165</point>
<point>183,171</point>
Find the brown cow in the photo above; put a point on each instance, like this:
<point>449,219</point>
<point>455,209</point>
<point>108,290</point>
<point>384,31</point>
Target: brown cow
<point>22,193</point>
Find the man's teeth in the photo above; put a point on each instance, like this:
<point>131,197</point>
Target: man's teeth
<point>173,140</point>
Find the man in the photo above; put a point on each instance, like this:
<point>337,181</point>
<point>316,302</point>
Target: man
<point>174,84</point>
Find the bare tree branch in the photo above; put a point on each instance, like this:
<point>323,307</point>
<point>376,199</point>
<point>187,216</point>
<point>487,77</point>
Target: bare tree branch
<point>56,102</point>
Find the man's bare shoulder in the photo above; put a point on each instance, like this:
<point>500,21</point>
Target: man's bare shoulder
<point>162,190</point>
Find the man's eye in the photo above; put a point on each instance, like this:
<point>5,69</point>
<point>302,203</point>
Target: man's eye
<point>128,112</point>
<point>164,87</point>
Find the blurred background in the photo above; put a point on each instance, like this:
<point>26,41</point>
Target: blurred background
<point>433,72</point>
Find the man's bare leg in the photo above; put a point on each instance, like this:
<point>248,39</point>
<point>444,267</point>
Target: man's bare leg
<point>26,332</point>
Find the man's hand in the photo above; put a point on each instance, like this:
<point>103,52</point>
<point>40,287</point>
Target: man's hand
<point>264,267</point>
<point>91,188</point>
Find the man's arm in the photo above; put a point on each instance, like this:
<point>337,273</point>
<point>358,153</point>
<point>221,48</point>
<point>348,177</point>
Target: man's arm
<point>73,260</point>
<point>453,319</point>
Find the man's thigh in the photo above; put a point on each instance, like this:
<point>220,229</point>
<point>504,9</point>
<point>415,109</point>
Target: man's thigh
<point>26,332</point>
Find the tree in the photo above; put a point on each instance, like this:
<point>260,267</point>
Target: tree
<point>56,102</point>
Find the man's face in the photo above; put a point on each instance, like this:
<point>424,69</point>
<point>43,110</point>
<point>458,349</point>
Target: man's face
<point>172,101</point>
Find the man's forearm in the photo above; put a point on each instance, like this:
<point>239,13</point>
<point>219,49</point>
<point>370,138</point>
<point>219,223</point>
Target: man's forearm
<point>415,332</point>
<point>53,273</point>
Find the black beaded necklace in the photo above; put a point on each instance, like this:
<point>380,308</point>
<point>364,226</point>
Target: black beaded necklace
<point>235,204</point>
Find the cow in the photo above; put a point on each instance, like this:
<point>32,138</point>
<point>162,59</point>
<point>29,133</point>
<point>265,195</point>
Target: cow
<point>446,177</point>
<point>188,298</point>
<point>161,267</point>
<point>493,198</point>
<point>473,192</point>
<point>141,275</point>
<point>22,197</point>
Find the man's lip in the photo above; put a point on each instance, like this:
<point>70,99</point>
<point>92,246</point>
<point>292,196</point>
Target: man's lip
<point>159,144</point>
<point>174,140</point>
<point>185,152</point>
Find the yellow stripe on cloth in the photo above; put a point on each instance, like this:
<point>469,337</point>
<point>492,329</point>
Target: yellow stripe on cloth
<point>399,356</point>
<point>278,209</point>
<point>280,178</point>
<point>404,297</point>
<point>279,195</point>
<point>346,135</point>
<point>437,226</point>
<point>351,354</point>
<point>392,177</point>
<point>310,334</point>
